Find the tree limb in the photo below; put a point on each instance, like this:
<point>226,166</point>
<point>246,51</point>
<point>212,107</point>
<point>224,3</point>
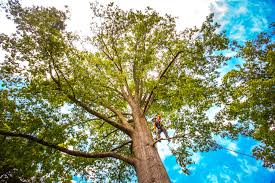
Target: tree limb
<point>174,137</point>
<point>66,80</point>
<point>119,115</point>
<point>161,76</point>
<point>122,145</point>
<point>113,131</point>
<point>120,126</point>
<point>70,152</point>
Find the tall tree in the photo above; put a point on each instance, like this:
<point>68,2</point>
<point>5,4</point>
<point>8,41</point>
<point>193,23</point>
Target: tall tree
<point>248,94</point>
<point>141,66</point>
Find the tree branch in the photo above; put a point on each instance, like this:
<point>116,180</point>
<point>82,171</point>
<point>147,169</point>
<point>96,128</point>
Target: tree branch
<point>174,137</point>
<point>161,76</point>
<point>104,45</point>
<point>119,115</point>
<point>113,131</point>
<point>66,80</point>
<point>120,126</point>
<point>122,145</point>
<point>70,152</point>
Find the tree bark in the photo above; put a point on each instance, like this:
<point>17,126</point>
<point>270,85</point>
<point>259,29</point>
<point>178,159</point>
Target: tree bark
<point>148,165</point>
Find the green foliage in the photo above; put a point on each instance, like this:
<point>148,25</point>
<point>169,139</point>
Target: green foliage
<point>248,94</point>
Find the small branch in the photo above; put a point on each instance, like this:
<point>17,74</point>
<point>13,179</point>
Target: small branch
<point>116,53</point>
<point>122,145</point>
<point>66,80</point>
<point>136,81</point>
<point>70,152</point>
<point>161,76</point>
<point>107,54</point>
<point>105,136</point>
<point>174,137</point>
<point>56,81</point>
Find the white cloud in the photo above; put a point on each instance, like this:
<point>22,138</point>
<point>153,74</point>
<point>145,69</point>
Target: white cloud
<point>220,8</point>
<point>225,178</point>
<point>176,167</point>
<point>233,147</point>
<point>212,178</point>
<point>239,175</point>
<point>259,23</point>
<point>246,167</point>
<point>190,13</point>
<point>229,53</point>
<point>163,149</point>
<point>9,27</point>
<point>173,180</point>
<point>196,157</point>
<point>237,32</point>
<point>211,112</point>
<point>241,10</point>
<point>192,168</point>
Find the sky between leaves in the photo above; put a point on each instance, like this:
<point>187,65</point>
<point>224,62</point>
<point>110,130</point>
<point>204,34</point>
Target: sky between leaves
<point>242,20</point>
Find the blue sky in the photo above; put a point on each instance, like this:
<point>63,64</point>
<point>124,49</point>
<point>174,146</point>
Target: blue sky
<point>242,20</point>
<point>223,166</point>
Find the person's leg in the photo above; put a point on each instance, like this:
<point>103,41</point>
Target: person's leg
<point>159,131</point>
<point>165,133</point>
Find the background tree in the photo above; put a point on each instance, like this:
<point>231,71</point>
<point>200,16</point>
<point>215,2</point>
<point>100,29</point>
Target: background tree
<point>141,66</point>
<point>248,95</point>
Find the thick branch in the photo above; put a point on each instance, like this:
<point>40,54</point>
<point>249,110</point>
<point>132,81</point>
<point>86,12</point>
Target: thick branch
<point>119,115</point>
<point>70,152</point>
<point>161,76</point>
<point>120,126</point>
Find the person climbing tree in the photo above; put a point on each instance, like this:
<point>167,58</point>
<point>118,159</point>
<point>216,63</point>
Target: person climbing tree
<point>158,125</point>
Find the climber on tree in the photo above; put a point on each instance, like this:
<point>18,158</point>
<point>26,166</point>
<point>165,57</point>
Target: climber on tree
<point>158,125</point>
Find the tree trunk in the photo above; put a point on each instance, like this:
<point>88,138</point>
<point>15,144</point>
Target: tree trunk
<point>148,165</point>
